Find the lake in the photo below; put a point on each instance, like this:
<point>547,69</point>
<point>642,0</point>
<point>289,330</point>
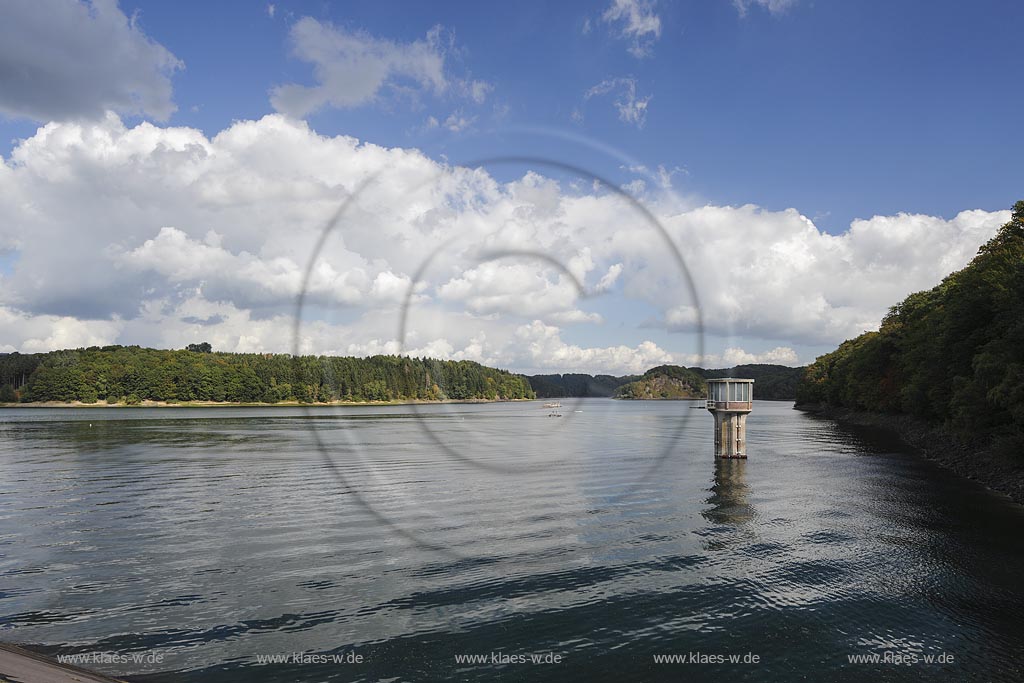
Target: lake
<point>491,541</point>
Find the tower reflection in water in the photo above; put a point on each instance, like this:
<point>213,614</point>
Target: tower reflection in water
<point>728,499</point>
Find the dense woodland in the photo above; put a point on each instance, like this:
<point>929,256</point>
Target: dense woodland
<point>572,385</point>
<point>953,355</point>
<point>130,374</point>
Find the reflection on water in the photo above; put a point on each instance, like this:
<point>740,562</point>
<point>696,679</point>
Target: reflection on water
<point>215,536</point>
<point>729,498</point>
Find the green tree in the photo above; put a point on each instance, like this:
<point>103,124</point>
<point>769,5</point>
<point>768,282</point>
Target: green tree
<point>152,374</point>
<point>953,354</point>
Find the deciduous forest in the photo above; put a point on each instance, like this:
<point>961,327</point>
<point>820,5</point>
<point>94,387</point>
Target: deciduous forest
<point>952,355</point>
<point>130,374</point>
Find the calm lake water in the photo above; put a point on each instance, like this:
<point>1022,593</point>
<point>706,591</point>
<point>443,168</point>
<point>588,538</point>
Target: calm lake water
<point>200,540</point>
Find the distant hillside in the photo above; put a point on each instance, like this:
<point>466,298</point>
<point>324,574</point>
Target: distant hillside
<point>576,385</point>
<point>664,382</point>
<point>772,382</point>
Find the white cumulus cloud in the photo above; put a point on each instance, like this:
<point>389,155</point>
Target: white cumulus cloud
<point>733,356</point>
<point>775,275</point>
<point>542,348</point>
<point>165,236</point>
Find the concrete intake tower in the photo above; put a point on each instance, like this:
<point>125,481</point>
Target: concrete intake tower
<point>730,400</point>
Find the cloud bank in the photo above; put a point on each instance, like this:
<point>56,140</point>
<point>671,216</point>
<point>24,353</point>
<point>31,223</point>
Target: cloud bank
<point>164,236</point>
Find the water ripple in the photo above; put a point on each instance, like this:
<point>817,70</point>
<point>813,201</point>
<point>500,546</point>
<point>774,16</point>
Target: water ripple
<point>212,536</point>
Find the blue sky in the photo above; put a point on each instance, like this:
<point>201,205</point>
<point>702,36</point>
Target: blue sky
<point>841,109</point>
<point>837,110</point>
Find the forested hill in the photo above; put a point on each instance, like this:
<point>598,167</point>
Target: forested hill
<point>130,374</point>
<point>953,355</point>
<point>777,382</point>
<point>665,382</point>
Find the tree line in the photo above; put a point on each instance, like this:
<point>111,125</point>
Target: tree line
<point>577,385</point>
<point>131,374</point>
<point>952,355</point>
<point>773,382</point>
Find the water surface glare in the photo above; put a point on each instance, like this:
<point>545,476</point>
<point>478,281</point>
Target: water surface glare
<point>194,542</point>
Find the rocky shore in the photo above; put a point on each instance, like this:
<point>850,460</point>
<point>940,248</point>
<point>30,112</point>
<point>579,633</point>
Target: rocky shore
<point>997,472</point>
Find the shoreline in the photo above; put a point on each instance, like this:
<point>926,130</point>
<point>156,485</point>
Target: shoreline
<point>975,462</point>
<point>293,404</point>
<point>659,398</point>
<point>234,404</point>
<point>695,398</point>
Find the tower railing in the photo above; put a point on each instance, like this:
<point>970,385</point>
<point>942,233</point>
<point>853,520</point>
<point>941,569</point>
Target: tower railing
<point>729,405</point>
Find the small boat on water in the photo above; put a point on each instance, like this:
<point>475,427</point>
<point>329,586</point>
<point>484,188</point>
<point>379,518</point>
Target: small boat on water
<point>556,404</point>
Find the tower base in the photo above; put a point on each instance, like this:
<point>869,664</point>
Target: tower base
<point>730,434</point>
